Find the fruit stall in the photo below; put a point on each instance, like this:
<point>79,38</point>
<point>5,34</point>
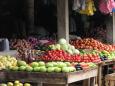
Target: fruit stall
<point>45,62</point>
<point>58,62</point>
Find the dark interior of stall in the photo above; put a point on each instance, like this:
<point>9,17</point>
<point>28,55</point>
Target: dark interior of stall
<point>14,22</point>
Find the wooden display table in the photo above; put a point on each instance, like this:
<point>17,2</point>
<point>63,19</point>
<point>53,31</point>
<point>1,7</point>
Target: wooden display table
<point>100,68</point>
<point>11,52</point>
<point>50,78</point>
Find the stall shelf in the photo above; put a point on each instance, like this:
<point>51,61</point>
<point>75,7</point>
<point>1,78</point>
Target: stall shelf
<point>51,78</point>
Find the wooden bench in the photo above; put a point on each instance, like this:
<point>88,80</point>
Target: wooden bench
<point>110,79</point>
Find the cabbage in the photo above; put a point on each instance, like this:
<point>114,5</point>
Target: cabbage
<point>76,51</point>
<point>72,47</point>
<point>62,41</point>
<point>64,47</point>
<point>70,51</point>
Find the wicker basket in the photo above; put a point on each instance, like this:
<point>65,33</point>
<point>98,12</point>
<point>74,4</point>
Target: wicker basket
<point>110,79</point>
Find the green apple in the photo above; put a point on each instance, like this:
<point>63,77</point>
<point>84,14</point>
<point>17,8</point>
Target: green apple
<point>62,65</point>
<point>16,82</point>
<point>15,68</point>
<point>22,68</point>
<point>54,64</point>
<point>41,63</point>
<point>36,69</point>
<point>20,84</point>
<point>58,46</point>
<point>71,69</point>
<point>68,63</point>
<point>27,84</point>
<point>34,64</point>
<point>10,84</point>
<point>49,64</point>
<point>43,69</point>
<point>21,63</point>
<point>57,69</point>
<point>29,68</point>
<point>50,69</point>
<point>65,69</point>
<point>3,84</point>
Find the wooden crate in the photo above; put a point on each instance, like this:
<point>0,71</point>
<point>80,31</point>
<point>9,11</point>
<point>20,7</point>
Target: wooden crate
<point>110,79</point>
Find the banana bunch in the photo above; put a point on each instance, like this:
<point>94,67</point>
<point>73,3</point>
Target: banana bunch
<point>89,9</point>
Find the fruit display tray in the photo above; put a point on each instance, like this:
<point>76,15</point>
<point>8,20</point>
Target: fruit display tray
<point>50,78</point>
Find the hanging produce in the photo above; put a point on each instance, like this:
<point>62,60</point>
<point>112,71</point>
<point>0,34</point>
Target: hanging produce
<point>89,9</point>
<point>86,7</point>
<point>106,6</point>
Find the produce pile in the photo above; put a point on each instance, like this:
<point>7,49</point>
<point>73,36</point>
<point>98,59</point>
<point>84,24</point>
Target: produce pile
<point>15,83</point>
<point>59,55</point>
<point>90,56</point>
<point>59,66</point>
<point>21,45</point>
<point>90,43</point>
<point>64,51</point>
<point>11,64</point>
<point>30,43</point>
<point>7,62</point>
<point>25,47</point>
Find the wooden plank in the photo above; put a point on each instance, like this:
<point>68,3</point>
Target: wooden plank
<point>2,76</point>
<point>63,19</point>
<point>50,78</point>
<point>99,75</point>
<point>86,82</point>
<point>82,76</point>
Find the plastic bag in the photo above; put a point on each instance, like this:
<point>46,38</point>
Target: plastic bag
<point>106,6</point>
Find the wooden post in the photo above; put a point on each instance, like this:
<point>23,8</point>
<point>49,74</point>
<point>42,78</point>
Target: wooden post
<point>99,74</point>
<point>113,27</point>
<point>63,19</point>
<point>86,82</point>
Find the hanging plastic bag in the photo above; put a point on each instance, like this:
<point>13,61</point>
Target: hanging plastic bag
<point>76,5</point>
<point>89,9</point>
<point>106,6</point>
<point>111,5</point>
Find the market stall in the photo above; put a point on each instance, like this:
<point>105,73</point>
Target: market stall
<point>61,61</point>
